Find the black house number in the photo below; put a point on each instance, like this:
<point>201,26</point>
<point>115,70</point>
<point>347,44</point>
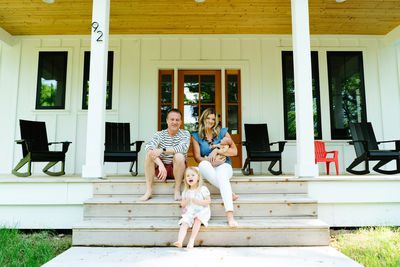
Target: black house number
<point>95,27</point>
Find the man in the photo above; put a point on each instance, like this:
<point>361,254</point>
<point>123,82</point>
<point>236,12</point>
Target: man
<point>166,155</point>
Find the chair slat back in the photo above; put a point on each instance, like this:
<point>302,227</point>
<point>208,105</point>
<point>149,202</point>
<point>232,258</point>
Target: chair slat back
<point>34,131</point>
<point>370,136</point>
<point>256,137</point>
<point>320,151</point>
<point>117,137</point>
<point>356,131</point>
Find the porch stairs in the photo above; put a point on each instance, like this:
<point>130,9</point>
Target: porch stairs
<point>270,212</point>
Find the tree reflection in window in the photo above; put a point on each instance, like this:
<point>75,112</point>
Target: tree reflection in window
<point>289,95</point>
<point>346,91</point>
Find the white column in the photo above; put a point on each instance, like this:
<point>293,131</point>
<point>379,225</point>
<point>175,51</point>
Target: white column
<point>97,90</point>
<point>305,165</point>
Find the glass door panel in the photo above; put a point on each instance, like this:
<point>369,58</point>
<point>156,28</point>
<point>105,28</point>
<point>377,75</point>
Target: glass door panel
<point>197,91</point>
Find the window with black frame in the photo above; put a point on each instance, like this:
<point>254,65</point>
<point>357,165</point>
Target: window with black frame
<point>289,98</point>
<point>165,96</point>
<point>51,80</point>
<point>86,69</point>
<point>346,92</point>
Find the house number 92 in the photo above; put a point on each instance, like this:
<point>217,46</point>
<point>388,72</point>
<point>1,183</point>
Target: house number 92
<point>95,27</point>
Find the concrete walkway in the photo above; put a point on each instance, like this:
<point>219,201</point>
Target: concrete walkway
<point>202,257</point>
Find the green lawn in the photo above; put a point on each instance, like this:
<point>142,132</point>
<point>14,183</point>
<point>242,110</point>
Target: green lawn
<point>32,249</point>
<point>372,246</point>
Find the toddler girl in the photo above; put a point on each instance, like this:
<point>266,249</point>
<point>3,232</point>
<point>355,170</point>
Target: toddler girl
<point>196,206</point>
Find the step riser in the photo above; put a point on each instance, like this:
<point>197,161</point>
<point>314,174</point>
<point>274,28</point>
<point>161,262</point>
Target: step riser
<point>115,189</point>
<point>262,237</point>
<point>130,211</point>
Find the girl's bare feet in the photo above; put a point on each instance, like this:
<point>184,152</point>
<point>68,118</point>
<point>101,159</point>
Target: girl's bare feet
<point>146,196</point>
<point>190,243</point>
<point>178,244</point>
<point>234,196</point>
<point>231,221</point>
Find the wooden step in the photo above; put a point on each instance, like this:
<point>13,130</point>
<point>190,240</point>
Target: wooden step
<point>247,206</point>
<point>240,185</point>
<point>163,232</point>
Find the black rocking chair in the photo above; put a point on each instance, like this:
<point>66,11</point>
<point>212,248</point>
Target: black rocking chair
<point>366,148</point>
<point>258,148</point>
<point>118,145</point>
<point>35,148</point>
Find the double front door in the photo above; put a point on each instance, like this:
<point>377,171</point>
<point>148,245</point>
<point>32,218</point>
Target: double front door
<point>201,89</point>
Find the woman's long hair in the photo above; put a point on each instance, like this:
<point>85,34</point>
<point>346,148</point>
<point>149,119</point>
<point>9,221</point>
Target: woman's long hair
<point>199,183</point>
<point>202,125</point>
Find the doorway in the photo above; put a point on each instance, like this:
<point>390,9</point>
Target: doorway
<point>201,89</point>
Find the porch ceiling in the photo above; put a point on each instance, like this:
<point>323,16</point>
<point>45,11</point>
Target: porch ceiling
<point>34,17</point>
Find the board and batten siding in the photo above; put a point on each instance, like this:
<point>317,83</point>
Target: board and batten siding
<point>137,59</point>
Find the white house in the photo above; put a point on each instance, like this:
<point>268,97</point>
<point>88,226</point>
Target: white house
<point>241,51</point>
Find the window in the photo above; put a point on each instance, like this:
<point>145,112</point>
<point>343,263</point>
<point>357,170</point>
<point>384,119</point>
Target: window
<point>288,95</point>
<point>52,73</point>
<point>165,96</point>
<point>232,101</point>
<point>346,92</point>
<point>86,69</point>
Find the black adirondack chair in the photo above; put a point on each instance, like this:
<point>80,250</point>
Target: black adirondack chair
<point>366,148</point>
<point>35,148</point>
<point>118,145</point>
<point>258,148</point>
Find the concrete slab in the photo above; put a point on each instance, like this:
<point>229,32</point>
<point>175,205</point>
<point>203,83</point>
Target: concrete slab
<point>202,256</point>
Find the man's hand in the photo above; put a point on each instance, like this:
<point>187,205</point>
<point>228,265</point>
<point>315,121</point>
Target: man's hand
<point>155,153</point>
<point>162,172</point>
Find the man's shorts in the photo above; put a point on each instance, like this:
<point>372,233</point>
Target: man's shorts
<point>170,170</point>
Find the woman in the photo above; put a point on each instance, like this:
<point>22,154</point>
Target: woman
<point>216,169</point>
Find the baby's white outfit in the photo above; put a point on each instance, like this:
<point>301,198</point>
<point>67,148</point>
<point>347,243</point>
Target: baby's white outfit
<point>192,211</point>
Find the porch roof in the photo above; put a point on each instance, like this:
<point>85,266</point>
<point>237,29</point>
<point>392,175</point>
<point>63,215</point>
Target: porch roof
<point>66,17</point>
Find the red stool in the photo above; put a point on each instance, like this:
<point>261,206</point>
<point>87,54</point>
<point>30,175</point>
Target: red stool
<point>321,153</point>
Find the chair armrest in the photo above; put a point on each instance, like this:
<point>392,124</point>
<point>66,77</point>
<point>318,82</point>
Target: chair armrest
<point>281,145</point>
<point>27,142</point>
<point>364,143</point>
<point>138,145</point>
<point>65,145</point>
<point>397,143</point>
<point>334,152</point>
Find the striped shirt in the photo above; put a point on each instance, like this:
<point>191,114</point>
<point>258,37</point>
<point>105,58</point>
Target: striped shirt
<point>180,143</point>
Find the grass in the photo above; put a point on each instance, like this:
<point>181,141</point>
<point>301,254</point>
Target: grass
<point>30,249</point>
<point>372,246</point>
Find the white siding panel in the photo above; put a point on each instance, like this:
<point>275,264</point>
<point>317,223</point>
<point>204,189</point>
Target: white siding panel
<point>190,48</point>
<point>51,42</point>
<point>230,48</point>
<point>170,48</point>
<point>210,48</point>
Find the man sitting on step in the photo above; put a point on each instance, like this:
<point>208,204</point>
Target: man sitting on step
<point>166,154</point>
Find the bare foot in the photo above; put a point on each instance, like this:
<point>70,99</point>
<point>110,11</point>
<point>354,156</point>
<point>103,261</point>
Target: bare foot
<point>178,244</point>
<point>190,243</point>
<point>232,223</point>
<point>234,196</point>
<point>177,196</point>
<point>146,197</point>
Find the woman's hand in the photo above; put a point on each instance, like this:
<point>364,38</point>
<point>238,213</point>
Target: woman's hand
<point>218,162</point>
<point>212,155</point>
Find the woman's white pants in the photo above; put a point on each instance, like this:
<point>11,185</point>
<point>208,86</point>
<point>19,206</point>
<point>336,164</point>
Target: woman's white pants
<point>219,177</point>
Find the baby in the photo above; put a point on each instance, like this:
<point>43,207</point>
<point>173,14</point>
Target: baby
<point>223,146</point>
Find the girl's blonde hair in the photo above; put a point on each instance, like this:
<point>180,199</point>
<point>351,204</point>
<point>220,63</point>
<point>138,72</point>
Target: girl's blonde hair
<point>202,125</point>
<point>199,182</point>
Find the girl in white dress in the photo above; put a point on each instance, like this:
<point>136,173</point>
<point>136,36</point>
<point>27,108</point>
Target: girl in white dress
<point>196,206</point>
